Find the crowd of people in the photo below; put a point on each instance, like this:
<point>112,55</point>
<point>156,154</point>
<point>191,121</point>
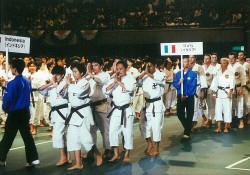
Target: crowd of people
<point>76,97</point>
<point>136,14</point>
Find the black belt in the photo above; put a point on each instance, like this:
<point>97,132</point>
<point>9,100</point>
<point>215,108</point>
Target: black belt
<point>96,103</point>
<point>122,108</point>
<point>236,86</point>
<point>32,96</point>
<point>137,89</point>
<point>170,83</point>
<point>223,89</point>
<point>151,101</point>
<point>75,110</point>
<point>57,109</point>
<point>83,98</point>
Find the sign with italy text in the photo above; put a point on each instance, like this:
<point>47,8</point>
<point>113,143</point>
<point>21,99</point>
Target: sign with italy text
<point>188,48</point>
<point>15,44</point>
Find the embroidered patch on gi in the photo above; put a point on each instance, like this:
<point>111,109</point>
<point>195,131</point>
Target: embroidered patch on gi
<point>226,76</point>
<point>236,73</point>
<point>207,74</point>
<point>123,90</point>
<point>188,78</point>
<point>154,86</point>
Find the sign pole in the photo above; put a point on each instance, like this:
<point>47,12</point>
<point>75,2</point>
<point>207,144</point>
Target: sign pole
<point>7,63</point>
<point>182,74</point>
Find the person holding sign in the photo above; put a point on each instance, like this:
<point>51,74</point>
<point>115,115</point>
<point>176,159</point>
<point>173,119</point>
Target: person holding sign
<point>185,96</point>
<point>16,102</point>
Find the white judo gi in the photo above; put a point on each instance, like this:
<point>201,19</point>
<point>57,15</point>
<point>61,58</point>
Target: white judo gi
<point>222,83</point>
<point>58,113</point>
<point>201,83</point>
<point>240,80</point>
<point>153,114</point>
<point>210,102</point>
<point>122,113</point>
<point>80,118</point>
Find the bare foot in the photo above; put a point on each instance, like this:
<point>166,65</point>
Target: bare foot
<point>61,162</point>
<point>69,161</point>
<point>98,159</point>
<point>33,132</point>
<point>154,153</point>
<point>75,167</point>
<point>126,159</point>
<point>115,157</point>
<point>149,148</point>
<point>83,155</point>
<point>225,131</point>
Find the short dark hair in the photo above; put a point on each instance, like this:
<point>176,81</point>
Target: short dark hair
<point>233,53</point>
<point>58,70</point>
<point>125,65</point>
<point>19,64</point>
<point>80,67</point>
<point>98,60</point>
<point>152,61</point>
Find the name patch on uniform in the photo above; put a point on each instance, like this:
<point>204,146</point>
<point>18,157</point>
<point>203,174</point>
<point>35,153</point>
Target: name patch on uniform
<point>226,76</point>
<point>188,78</point>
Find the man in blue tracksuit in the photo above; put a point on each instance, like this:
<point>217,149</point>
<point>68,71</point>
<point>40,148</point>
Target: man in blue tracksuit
<point>16,102</point>
<point>185,99</point>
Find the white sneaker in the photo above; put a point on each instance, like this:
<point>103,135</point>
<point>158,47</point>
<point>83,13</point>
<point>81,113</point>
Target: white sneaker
<point>34,163</point>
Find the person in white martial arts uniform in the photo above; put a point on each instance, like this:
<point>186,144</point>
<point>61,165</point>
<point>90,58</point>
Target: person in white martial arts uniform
<point>80,118</point>
<point>214,61</point>
<point>98,102</point>
<point>59,111</point>
<point>210,72</point>
<point>169,97</point>
<point>201,84</point>
<point>240,83</point>
<point>122,114</point>
<point>37,79</point>
<point>222,87</point>
<point>246,94</point>
<point>138,99</point>
<point>153,113</point>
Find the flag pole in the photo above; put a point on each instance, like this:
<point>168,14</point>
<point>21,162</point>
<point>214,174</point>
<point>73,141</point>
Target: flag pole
<point>7,63</point>
<point>182,74</point>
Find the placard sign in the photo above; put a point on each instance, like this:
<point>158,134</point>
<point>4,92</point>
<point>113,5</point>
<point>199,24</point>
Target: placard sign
<point>15,44</point>
<point>188,48</point>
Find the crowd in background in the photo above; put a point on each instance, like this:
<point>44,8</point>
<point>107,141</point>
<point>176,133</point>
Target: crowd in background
<point>135,14</point>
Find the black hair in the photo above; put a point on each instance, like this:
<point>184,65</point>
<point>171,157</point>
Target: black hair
<point>98,60</point>
<point>80,67</point>
<point>242,52</point>
<point>151,60</point>
<point>19,64</point>
<point>125,65</point>
<point>208,55</point>
<point>58,70</point>
<point>233,53</point>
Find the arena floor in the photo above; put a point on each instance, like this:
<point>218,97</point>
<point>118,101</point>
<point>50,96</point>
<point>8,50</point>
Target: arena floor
<point>205,154</point>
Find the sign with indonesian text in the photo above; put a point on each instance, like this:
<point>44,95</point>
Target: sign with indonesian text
<point>15,44</point>
<point>189,48</point>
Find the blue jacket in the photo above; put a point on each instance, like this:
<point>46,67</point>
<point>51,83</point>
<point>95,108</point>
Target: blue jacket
<point>17,94</point>
<point>189,83</point>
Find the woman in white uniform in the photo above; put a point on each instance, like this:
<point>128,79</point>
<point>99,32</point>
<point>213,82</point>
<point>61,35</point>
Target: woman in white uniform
<point>59,111</point>
<point>80,118</point>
